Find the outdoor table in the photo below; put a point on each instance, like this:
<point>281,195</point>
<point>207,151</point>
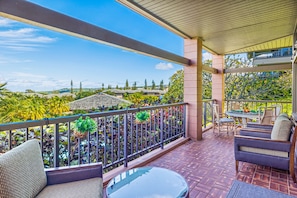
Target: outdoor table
<point>148,182</point>
<point>243,115</point>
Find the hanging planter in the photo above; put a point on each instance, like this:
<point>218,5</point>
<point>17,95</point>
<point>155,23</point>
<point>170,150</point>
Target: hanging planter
<point>83,126</point>
<point>142,117</point>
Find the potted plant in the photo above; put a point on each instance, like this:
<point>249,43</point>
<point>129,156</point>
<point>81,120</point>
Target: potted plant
<point>142,117</point>
<point>83,126</point>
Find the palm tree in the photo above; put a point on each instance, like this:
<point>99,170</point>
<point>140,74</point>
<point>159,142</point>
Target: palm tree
<point>135,98</point>
<point>11,108</point>
<point>153,85</point>
<point>161,85</point>
<point>57,106</point>
<point>80,87</point>
<point>3,90</point>
<point>126,84</point>
<point>33,108</point>
<point>134,86</point>
<point>71,85</point>
<point>145,84</point>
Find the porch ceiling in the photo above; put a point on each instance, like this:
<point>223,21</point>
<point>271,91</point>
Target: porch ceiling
<point>227,26</point>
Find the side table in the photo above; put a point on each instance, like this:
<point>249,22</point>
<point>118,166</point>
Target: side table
<point>148,182</point>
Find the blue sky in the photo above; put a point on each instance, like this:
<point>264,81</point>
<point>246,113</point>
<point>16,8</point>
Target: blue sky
<point>40,59</point>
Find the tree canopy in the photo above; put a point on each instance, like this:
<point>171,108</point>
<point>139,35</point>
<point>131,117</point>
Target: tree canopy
<point>175,92</point>
<point>274,85</point>
<point>16,107</point>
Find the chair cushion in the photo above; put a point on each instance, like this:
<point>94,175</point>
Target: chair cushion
<point>283,115</point>
<point>264,151</point>
<point>226,120</point>
<point>281,129</point>
<point>22,171</point>
<point>84,188</point>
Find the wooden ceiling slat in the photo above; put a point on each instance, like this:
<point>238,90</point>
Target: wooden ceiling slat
<point>228,26</point>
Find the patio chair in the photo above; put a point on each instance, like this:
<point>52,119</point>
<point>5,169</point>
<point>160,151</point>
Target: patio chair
<point>22,174</point>
<point>277,111</point>
<point>235,106</point>
<point>220,120</point>
<point>274,148</point>
<point>266,118</point>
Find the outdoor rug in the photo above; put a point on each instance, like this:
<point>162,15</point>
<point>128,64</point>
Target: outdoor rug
<point>244,190</point>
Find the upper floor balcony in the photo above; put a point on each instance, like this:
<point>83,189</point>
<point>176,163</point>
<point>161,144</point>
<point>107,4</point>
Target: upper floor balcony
<point>272,57</point>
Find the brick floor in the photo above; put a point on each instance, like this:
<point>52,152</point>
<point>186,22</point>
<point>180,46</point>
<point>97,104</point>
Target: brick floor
<point>209,168</point>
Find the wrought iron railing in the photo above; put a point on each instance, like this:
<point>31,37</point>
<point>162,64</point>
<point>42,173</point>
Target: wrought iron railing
<point>286,106</point>
<point>207,112</point>
<point>118,140</point>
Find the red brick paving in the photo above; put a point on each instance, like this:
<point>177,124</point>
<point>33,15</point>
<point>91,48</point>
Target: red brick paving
<point>209,168</point>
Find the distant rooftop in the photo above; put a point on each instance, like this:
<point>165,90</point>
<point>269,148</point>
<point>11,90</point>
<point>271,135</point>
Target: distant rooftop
<point>96,101</point>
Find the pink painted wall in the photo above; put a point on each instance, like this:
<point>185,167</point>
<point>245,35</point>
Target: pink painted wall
<point>193,87</point>
<point>218,80</point>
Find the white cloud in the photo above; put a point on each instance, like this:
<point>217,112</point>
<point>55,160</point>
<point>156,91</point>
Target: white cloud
<point>23,81</point>
<point>164,66</point>
<point>20,33</point>
<point>20,48</point>
<point>24,35</point>
<point>20,81</point>
<point>86,83</point>
<point>207,56</point>
<point>19,45</point>
<point>23,39</point>
<point>41,39</point>
<point>6,22</point>
<point>28,75</point>
<point>5,60</point>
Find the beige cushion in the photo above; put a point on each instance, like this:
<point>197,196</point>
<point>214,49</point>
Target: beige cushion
<point>264,151</point>
<point>281,129</point>
<point>22,171</point>
<point>85,188</point>
<point>283,115</point>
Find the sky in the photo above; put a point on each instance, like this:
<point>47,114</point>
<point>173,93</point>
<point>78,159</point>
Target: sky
<point>43,60</point>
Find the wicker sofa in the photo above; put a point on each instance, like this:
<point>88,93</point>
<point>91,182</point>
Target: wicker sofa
<point>22,174</point>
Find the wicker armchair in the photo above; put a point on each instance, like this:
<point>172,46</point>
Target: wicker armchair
<point>22,174</point>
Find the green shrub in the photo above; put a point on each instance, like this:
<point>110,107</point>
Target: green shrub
<point>142,116</point>
<point>84,125</point>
